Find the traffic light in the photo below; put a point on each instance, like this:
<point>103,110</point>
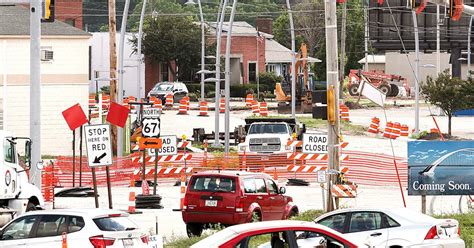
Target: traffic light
<point>48,11</point>
<point>331,105</point>
<point>456,7</point>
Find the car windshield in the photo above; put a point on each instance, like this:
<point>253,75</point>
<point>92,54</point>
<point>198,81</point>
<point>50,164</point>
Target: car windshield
<point>268,128</point>
<point>212,184</point>
<point>119,223</point>
<point>163,87</point>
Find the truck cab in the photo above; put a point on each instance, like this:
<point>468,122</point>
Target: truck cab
<point>17,195</point>
<point>269,135</point>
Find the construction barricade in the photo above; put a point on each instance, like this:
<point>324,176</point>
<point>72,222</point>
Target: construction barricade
<point>249,100</point>
<point>263,109</point>
<point>255,108</point>
<point>183,108</point>
<point>396,130</point>
<point>203,108</point>
<point>222,105</point>
<point>169,100</point>
<point>187,102</point>
<point>404,131</point>
<point>344,190</point>
<point>344,112</point>
<point>374,126</point>
<point>47,183</point>
<point>388,132</point>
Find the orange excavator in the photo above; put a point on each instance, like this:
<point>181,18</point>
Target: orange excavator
<point>302,88</point>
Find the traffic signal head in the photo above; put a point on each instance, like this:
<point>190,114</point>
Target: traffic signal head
<point>48,11</point>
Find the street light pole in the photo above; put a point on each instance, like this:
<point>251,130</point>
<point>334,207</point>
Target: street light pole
<point>227,78</point>
<point>417,73</point>
<point>469,48</point>
<point>120,74</point>
<point>293,61</point>
<point>218,73</point>
<point>139,52</point>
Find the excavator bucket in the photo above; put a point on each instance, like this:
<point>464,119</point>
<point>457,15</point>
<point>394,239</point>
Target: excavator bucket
<point>280,94</point>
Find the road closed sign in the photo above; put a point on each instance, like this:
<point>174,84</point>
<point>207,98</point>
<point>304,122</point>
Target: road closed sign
<point>99,146</point>
<point>168,147</point>
<point>315,143</point>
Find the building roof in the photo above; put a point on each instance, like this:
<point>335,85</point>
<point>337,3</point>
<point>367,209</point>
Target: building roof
<point>239,29</point>
<point>373,59</point>
<point>277,53</point>
<point>15,20</point>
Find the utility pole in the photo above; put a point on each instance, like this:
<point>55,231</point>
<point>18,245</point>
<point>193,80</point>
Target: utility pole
<point>293,61</point>
<point>139,52</point>
<point>113,65</point>
<point>227,79</point>
<point>332,86</point>
<point>468,49</point>
<point>343,46</point>
<point>438,54</point>
<point>417,73</point>
<point>35,88</point>
<point>366,37</point>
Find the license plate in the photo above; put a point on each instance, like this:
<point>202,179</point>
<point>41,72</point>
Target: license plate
<point>127,243</point>
<point>211,203</point>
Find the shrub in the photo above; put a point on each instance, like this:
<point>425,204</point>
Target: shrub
<point>269,79</point>
<point>196,87</point>
<point>194,96</point>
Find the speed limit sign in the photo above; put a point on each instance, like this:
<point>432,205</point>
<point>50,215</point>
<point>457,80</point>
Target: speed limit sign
<point>151,127</point>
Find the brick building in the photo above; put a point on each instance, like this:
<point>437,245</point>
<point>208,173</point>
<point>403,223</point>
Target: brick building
<point>69,11</point>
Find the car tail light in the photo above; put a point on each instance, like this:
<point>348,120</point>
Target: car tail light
<point>144,239</point>
<point>431,233</point>
<point>185,202</point>
<point>101,242</point>
<point>239,204</point>
<point>459,231</point>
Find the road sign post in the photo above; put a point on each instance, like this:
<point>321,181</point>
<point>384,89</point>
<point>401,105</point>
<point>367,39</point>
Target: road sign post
<point>169,147</point>
<point>99,153</point>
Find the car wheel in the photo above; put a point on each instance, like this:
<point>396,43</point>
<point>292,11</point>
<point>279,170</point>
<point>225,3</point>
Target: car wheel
<point>256,217</point>
<point>30,207</point>
<point>293,213</point>
<point>194,229</point>
<point>385,89</point>
<point>353,90</point>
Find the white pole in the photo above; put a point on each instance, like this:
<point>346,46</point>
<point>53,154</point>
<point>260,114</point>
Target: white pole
<point>120,74</point>
<point>139,53</point>
<point>227,78</point>
<point>366,38</point>
<point>35,88</point>
<point>203,50</point>
<point>5,95</point>
<point>256,69</point>
<point>417,73</point>
<point>218,74</point>
<point>468,48</point>
<point>293,61</point>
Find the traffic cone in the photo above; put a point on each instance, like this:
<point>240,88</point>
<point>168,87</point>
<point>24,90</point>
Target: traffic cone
<point>183,108</point>
<point>203,108</point>
<point>222,106</point>
<point>374,126</point>
<point>255,108</point>
<point>64,240</point>
<point>263,109</point>
<point>249,100</point>
<point>388,130</point>
<point>275,175</point>
<point>169,100</point>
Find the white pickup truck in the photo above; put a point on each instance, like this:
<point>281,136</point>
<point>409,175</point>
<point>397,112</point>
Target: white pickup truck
<point>17,195</point>
<point>269,135</point>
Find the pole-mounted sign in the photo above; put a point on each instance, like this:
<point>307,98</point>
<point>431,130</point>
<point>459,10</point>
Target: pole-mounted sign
<point>99,146</point>
<point>168,147</point>
<point>315,143</point>
<point>151,123</point>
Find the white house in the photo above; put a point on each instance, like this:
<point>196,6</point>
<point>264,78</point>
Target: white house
<point>64,76</point>
<point>100,63</point>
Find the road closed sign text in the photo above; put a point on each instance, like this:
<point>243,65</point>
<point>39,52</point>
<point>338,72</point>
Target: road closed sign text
<point>315,143</point>
<point>169,146</point>
<point>98,143</point>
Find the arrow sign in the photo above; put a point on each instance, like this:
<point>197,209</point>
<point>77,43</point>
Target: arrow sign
<point>97,159</point>
<point>151,143</point>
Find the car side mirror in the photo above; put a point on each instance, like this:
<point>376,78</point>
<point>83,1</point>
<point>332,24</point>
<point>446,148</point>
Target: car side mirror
<point>28,153</point>
<point>282,190</point>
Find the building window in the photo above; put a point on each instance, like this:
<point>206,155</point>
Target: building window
<point>252,72</point>
<point>47,54</point>
<point>164,72</point>
<point>71,22</point>
<point>271,68</point>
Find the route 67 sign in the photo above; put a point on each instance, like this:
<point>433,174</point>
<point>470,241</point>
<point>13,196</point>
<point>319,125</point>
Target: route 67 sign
<point>151,123</point>
<point>151,127</point>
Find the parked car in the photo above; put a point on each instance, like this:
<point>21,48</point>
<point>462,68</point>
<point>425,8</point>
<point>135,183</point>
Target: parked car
<point>233,197</point>
<point>177,89</point>
<point>83,228</point>
<point>394,228</point>
<point>276,234</point>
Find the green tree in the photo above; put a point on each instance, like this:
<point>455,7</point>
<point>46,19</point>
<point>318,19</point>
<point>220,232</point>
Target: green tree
<point>173,39</point>
<point>447,93</point>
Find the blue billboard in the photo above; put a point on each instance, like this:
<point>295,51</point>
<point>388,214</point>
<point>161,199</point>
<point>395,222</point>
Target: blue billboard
<point>441,168</point>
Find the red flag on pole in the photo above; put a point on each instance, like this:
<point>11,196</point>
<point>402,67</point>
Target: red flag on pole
<point>75,116</point>
<point>117,115</point>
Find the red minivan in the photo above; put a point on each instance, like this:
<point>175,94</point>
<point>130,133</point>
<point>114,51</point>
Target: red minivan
<point>233,197</point>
